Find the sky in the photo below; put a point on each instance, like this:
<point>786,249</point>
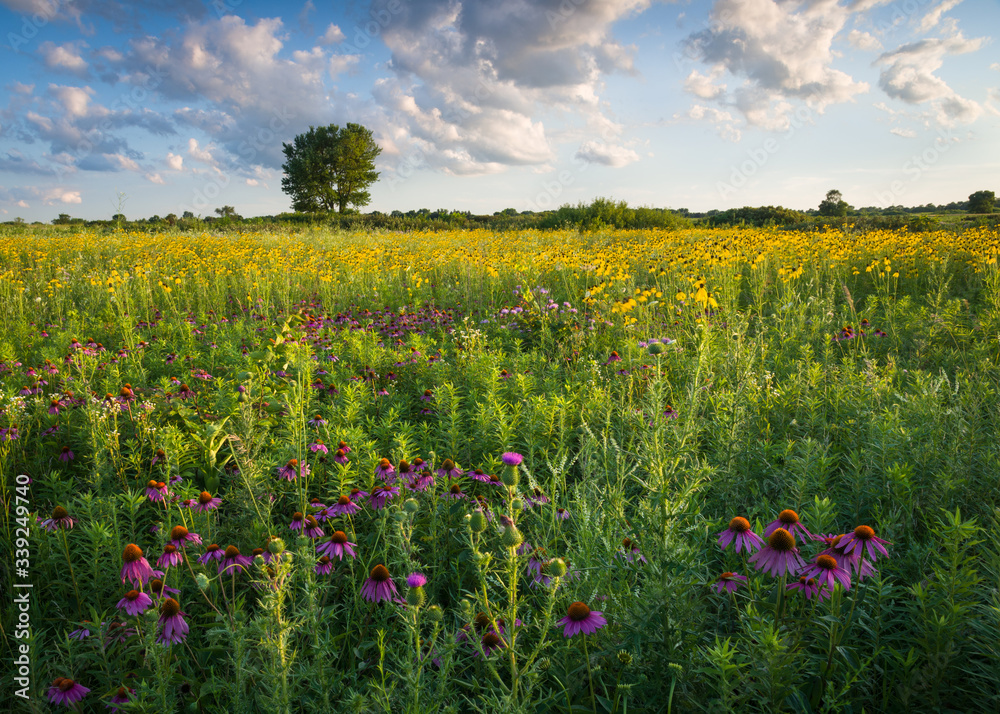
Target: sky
<point>162,107</point>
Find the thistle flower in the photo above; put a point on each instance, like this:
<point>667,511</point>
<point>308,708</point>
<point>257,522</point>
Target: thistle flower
<point>206,503</point>
<point>729,582</point>
<point>512,458</point>
<point>66,692</point>
<point>135,567</point>
<point>789,520</point>
<point>580,618</point>
<point>739,530</point>
<point>779,556</point>
<point>135,602</point>
<point>379,585</point>
<point>175,628</point>
<point>337,545</point>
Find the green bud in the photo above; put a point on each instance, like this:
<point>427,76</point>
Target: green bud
<point>286,556</point>
<point>557,567</point>
<point>509,477</point>
<point>511,537</point>
<point>201,580</point>
<point>517,504</point>
<point>434,613</point>
<point>411,505</point>
<point>415,597</point>
<point>543,664</point>
<point>466,608</point>
<point>301,541</point>
<point>276,546</point>
<point>656,349</point>
<point>258,560</point>
<point>477,522</point>
<point>624,657</point>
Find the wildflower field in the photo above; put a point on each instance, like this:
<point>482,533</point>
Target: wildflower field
<point>649,471</point>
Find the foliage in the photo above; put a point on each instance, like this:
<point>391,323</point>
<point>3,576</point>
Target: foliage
<point>834,204</point>
<point>982,202</point>
<point>330,167</point>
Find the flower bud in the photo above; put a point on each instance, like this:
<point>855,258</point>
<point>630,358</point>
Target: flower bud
<point>517,504</point>
<point>411,505</point>
<point>276,546</point>
<point>509,477</point>
<point>557,567</point>
<point>415,597</point>
<point>258,560</point>
<point>477,522</point>
<point>434,613</point>
<point>511,537</point>
<point>201,580</point>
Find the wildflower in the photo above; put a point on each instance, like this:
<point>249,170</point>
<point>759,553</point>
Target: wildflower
<point>60,519</point>
<point>66,692</point>
<point>863,541</point>
<point>170,557</point>
<point>159,456</point>
<point>122,696</point>
<point>779,556</point>
<point>135,602</point>
<point>449,469</point>
<point>406,471</point>
<point>789,520</point>
<point>827,571</point>
<point>158,590</point>
<point>562,514</point>
<point>66,455</point>
<point>135,568</point>
<point>317,421</point>
<point>729,582</point>
<point>511,458</point>
<point>318,447</point>
<point>292,470</point>
<point>180,537</point>
<point>233,559</point>
<point>344,506</point>
<point>379,495</point>
<point>415,597</point>
<point>739,530</point>
<point>342,446</point>
<point>385,471</point>
<point>297,521</point>
<point>454,491</point>
<point>81,632</point>
<point>341,457</point>
<point>206,502</point>
<point>422,481</point>
<point>427,396</point>
<point>213,552</point>
<point>312,528</point>
<point>324,566</point>
<point>491,642</point>
<point>379,585</point>
<point>630,551</point>
<point>808,587</point>
<point>156,490</point>
<point>175,628</point>
<point>580,618</point>
<point>479,475</point>
<point>613,357</point>
<point>337,545</point>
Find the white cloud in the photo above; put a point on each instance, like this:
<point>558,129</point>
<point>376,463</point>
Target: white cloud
<point>724,122</point>
<point>175,161</point>
<point>155,178</point>
<point>905,133</point>
<point>21,88</point>
<point>252,182</point>
<point>70,197</point>
<point>343,63</point>
<point>933,17</point>
<point>199,154</point>
<point>598,152</point>
<point>75,100</point>
<point>863,41</point>
<point>332,36</point>
<point>63,57</point>
<point>704,86</point>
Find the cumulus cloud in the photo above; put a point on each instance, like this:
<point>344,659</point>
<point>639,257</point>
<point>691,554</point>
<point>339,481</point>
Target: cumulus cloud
<point>907,74</point>
<point>781,52</point>
<point>470,77</point>
<point>933,17</point>
<point>863,41</point>
<point>599,152</point>
<point>175,161</point>
<point>905,133</point>
<point>333,35</point>
<point>726,125</point>
<point>155,178</point>
<point>65,57</point>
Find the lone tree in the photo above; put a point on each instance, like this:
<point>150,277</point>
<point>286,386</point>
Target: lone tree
<point>330,168</point>
<point>982,202</point>
<point>833,204</point>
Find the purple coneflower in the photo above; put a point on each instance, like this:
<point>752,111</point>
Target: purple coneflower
<point>66,692</point>
<point>206,503</point>
<point>386,471</point>
<point>739,530</point>
<point>511,458</point>
<point>180,537</point>
<point>779,556</point>
<point>862,541</point>
<point>341,457</point>
<point>312,528</point>
<point>156,490</point>
<point>175,628</point>
<point>135,567</point>
<point>160,455</point>
<point>345,506</point>
<point>66,455</point>
<point>292,470</point>
<point>324,566</point>
<point>337,545</point>
<point>729,582</point>
<point>827,571</point>
<point>297,521</point>
<point>317,421</point>
<point>159,591</point>
<point>491,642</point>
<point>170,557</point>
<point>318,447</point>
<point>60,519</point>
<point>809,587</point>
<point>405,471</point>
<point>562,514</point>
<point>379,585</point>
<point>233,559</point>
<point>135,602</point>
<point>213,552</point>
<point>454,491</point>
<point>630,551</point>
<point>379,495</point>
<point>422,481</point>
<point>449,469</point>
<point>789,520</point>
<point>427,396</point>
<point>580,618</point>
<point>122,696</point>
<point>479,475</point>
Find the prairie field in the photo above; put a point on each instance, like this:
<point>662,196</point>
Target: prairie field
<point>744,470</point>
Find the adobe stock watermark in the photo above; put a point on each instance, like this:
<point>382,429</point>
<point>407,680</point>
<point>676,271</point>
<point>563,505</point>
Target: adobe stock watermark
<point>915,167</point>
<point>22,588</point>
<point>31,25</point>
<point>248,149</point>
<point>758,157</point>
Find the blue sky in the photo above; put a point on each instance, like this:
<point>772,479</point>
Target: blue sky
<point>161,107</point>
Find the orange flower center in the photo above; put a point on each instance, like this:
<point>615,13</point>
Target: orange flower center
<point>132,553</point>
<point>864,533</point>
<point>781,540</point>
<point>578,611</point>
<point>343,500</point>
<point>170,607</point>
<point>379,574</point>
<point>59,512</point>
<point>232,551</point>
<point>789,517</point>
<point>739,524</point>
<point>338,537</point>
<point>827,562</point>
<point>132,595</point>
<point>178,532</point>
<point>204,497</point>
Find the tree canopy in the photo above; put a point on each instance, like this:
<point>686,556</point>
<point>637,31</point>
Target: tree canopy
<point>833,204</point>
<point>982,202</point>
<point>329,168</point>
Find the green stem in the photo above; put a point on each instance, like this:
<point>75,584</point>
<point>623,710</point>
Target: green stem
<point>590,677</point>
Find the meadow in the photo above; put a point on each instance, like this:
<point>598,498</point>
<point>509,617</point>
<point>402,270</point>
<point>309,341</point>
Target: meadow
<point>703,470</point>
